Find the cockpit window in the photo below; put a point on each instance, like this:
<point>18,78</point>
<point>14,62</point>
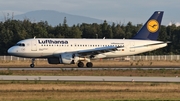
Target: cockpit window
<point>20,44</point>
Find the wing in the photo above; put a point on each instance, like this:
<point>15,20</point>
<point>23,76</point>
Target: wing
<point>96,51</point>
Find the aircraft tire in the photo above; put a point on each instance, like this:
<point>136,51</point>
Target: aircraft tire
<point>32,65</point>
<point>80,64</point>
<point>89,64</point>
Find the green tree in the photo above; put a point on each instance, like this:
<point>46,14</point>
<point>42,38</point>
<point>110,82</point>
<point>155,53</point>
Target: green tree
<point>74,32</point>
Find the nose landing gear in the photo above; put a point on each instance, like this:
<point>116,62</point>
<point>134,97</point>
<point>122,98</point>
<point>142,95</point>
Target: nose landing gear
<point>32,64</point>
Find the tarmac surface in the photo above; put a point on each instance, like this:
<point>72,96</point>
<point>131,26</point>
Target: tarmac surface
<point>69,68</point>
<point>89,78</point>
<point>93,78</point>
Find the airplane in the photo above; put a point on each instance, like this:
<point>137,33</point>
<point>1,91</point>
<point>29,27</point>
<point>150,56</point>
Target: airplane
<point>76,51</point>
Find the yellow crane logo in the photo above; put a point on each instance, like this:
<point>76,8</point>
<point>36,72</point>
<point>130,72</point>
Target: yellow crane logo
<point>152,26</point>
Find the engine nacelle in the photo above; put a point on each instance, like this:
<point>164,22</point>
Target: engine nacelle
<point>53,60</point>
<point>65,58</point>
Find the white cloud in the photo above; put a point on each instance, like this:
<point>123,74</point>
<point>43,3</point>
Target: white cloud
<point>177,24</point>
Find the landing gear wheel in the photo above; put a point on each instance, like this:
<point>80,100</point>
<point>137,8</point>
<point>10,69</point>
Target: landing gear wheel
<point>89,64</point>
<point>32,65</point>
<point>80,64</point>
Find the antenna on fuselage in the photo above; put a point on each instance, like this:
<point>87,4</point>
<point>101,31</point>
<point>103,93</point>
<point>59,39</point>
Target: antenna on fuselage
<point>34,37</point>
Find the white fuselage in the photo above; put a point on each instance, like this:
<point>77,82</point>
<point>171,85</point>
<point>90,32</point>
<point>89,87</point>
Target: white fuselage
<point>47,47</point>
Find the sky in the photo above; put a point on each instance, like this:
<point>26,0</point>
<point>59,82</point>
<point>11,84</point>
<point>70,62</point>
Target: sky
<point>118,11</point>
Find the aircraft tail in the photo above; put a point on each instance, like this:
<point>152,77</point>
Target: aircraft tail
<point>150,29</point>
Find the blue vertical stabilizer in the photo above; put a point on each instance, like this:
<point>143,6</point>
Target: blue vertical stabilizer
<point>150,30</point>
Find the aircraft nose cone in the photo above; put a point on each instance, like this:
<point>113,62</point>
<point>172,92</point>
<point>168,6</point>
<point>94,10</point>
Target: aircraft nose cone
<point>11,51</point>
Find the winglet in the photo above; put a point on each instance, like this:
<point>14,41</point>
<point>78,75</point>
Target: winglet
<point>150,30</point>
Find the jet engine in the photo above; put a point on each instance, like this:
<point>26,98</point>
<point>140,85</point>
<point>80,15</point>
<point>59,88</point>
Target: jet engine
<point>65,58</point>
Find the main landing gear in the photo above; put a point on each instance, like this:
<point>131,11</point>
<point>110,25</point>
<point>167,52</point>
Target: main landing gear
<point>88,64</point>
<point>32,64</point>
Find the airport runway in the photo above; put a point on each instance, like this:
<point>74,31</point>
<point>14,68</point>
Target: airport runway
<point>27,69</point>
<point>93,78</point>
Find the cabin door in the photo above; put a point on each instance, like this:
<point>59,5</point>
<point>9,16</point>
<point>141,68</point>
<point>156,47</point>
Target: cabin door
<point>33,45</point>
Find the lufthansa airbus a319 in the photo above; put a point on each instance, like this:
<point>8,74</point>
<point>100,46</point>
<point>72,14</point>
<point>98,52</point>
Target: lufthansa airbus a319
<point>75,51</point>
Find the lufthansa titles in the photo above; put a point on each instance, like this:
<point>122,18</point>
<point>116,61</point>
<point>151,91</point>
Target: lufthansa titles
<point>52,41</point>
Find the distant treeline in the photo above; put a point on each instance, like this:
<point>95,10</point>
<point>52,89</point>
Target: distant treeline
<point>12,31</point>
